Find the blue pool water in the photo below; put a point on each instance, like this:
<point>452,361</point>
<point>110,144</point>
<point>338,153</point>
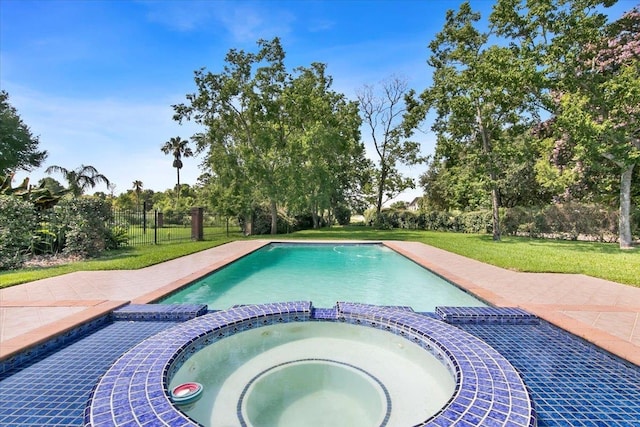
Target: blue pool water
<point>324,274</point>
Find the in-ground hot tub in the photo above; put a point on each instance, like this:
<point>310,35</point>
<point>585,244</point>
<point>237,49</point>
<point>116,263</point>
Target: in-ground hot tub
<point>487,390</point>
<point>339,371</point>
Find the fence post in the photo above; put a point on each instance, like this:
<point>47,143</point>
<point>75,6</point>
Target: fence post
<point>156,218</point>
<point>197,229</point>
<point>144,217</point>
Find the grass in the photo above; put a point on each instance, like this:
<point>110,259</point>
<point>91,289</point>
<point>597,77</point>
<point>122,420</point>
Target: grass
<point>129,258</point>
<point>603,260</point>
<point>138,236</point>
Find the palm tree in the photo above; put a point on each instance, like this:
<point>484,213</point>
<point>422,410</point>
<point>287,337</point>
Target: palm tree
<point>178,148</point>
<point>80,179</point>
<point>137,188</point>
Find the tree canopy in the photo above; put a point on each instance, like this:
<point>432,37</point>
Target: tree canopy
<point>382,110</point>
<point>540,106</point>
<point>79,179</point>
<point>18,146</point>
<point>588,78</point>
<point>273,136</point>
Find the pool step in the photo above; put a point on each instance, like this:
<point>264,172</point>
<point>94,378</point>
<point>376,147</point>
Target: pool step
<point>487,315</point>
<point>160,312</point>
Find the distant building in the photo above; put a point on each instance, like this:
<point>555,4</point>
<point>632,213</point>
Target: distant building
<point>415,204</point>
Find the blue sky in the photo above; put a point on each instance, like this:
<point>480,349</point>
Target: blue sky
<point>95,80</point>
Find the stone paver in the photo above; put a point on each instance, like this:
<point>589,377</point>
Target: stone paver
<point>605,313</point>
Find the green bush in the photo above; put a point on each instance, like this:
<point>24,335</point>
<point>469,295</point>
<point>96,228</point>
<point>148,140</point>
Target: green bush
<point>180,217</point>
<point>408,219</point>
<point>18,220</point>
<point>477,221</point>
<point>117,236</point>
<point>342,215</point>
<point>85,224</point>
<point>569,221</point>
<point>385,220</point>
<point>437,221</point>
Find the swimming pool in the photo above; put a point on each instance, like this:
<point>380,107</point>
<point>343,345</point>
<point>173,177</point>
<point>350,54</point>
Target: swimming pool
<point>324,274</point>
<point>572,382</point>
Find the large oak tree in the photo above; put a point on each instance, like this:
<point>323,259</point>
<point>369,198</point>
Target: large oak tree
<point>270,134</point>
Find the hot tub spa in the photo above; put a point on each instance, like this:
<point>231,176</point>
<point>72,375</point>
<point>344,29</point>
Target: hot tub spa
<point>271,364</point>
<point>338,370</point>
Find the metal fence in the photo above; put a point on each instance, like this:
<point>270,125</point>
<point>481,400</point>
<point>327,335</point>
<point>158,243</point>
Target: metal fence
<point>146,227</point>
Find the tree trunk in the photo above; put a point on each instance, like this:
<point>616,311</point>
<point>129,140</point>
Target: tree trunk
<point>495,197</point>
<point>178,187</point>
<point>626,240</point>
<point>383,178</point>
<point>495,206</point>
<point>314,216</point>
<point>274,217</point>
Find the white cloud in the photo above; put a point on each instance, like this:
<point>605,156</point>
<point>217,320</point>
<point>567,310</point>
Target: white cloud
<point>121,139</point>
<point>245,22</point>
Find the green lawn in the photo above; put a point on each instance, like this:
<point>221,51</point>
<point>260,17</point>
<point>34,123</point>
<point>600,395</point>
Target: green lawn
<point>602,260</point>
<point>129,258</point>
<point>138,235</point>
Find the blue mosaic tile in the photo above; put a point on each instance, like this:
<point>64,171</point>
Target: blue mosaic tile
<point>324,314</point>
<point>54,388</point>
<point>463,355</point>
<point>159,312</point>
<point>41,350</point>
<point>502,315</point>
<point>571,382</point>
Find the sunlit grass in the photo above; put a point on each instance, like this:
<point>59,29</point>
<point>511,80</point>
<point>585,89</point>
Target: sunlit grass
<point>129,258</point>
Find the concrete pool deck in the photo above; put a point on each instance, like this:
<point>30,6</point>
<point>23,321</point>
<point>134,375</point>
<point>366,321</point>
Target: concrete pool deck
<point>602,312</point>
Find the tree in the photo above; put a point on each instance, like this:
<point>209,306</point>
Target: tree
<point>382,114</point>
<point>137,188</point>
<point>247,130</point>
<point>589,79</point>
<point>178,148</point>
<point>325,143</point>
<point>18,146</point>
<point>80,179</point>
<point>479,93</point>
<point>52,184</point>
<point>273,138</point>
<point>602,111</point>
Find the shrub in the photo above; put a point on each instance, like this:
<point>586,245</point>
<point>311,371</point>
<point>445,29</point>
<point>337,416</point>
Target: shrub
<point>477,221</point>
<point>17,221</point>
<point>408,219</point>
<point>437,221</point>
<point>342,215</point>
<point>117,236</point>
<point>179,217</point>
<point>385,220</point>
<point>86,230</point>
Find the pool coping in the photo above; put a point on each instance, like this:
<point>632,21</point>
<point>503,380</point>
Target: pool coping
<point>488,388</point>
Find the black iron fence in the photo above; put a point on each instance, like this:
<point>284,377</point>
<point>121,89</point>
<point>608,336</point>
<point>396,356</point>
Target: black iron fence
<point>145,227</point>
